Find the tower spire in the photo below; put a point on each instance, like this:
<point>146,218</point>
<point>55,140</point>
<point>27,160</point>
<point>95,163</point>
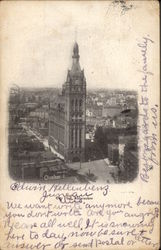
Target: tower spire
<point>75,51</point>
<point>76,66</point>
<point>75,34</point>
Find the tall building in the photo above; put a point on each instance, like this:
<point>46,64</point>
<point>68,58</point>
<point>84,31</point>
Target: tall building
<point>67,117</point>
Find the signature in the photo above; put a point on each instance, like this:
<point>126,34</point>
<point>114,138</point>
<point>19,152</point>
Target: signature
<point>149,139</point>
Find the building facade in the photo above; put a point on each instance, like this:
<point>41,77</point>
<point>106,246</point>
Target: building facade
<point>67,115</point>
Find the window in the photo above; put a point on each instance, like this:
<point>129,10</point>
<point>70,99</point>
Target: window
<point>76,104</point>
<point>80,139</point>
<point>76,137</point>
<point>80,104</point>
<point>72,132</point>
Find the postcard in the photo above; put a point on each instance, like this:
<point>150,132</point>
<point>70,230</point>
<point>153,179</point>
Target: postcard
<point>79,130</point>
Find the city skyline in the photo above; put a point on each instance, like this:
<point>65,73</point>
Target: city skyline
<point>111,137</point>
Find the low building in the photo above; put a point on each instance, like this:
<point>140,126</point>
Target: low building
<point>97,111</point>
<point>42,113</point>
<point>111,111</point>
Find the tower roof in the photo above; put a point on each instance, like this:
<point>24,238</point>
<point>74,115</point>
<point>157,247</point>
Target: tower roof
<point>75,66</point>
<point>76,50</point>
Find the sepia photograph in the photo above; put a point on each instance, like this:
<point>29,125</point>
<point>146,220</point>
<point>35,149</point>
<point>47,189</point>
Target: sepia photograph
<point>73,134</point>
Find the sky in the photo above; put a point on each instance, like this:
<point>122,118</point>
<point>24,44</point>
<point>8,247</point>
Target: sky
<point>38,38</point>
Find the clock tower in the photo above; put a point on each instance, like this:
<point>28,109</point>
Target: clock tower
<point>74,91</point>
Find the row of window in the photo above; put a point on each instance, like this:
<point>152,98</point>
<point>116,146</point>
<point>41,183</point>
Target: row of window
<point>77,119</point>
<point>76,104</point>
<point>78,151</point>
<point>75,136</point>
<point>75,88</point>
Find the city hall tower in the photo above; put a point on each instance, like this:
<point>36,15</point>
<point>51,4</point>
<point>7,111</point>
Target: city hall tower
<point>67,122</point>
